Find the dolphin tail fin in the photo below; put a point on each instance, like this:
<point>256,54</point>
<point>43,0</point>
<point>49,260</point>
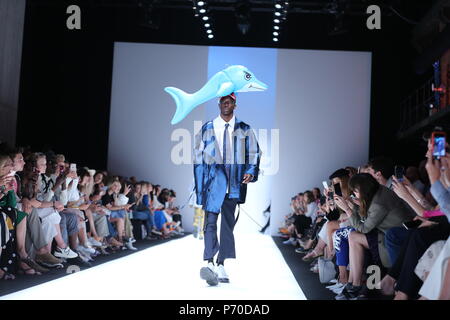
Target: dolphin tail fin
<point>181,100</point>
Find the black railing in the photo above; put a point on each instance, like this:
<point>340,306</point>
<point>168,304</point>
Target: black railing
<point>418,106</point>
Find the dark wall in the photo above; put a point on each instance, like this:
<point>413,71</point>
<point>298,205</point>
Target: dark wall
<point>66,75</point>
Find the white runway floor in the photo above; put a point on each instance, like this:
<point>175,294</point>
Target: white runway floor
<point>171,272</point>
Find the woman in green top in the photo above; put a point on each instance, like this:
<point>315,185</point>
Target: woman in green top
<point>12,227</point>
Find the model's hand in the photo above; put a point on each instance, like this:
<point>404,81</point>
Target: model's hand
<point>247,178</point>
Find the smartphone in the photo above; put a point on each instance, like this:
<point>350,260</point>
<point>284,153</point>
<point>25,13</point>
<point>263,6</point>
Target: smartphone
<point>330,196</point>
<point>399,172</point>
<point>438,138</point>
<point>322,200</point>
<point>325,184</point>
<point>73,167</point>
<point>337,189</point>
<point>413,224</point>
<point>91,172</point>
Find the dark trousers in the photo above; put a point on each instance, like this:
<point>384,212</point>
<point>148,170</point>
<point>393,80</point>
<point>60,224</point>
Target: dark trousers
<point>225,246</point>
<point>416,244</point>
<point>302,223</point>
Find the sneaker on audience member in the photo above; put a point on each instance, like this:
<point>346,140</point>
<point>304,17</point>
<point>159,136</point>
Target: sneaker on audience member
<point>94,243</point>
<point>339,288</point>
<point>65,253</point>
<point>84,255</point>
<point>88,250</point>
<point>333,286</point>
<point>129,245</point>
<point>292,241</point>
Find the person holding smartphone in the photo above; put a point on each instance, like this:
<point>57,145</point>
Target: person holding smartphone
<point>221,181</point>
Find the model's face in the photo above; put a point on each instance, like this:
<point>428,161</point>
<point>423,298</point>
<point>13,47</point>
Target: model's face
<point>227,106</point>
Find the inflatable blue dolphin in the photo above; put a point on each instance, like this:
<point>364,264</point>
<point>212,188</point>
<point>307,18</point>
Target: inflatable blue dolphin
<point>232,79</point>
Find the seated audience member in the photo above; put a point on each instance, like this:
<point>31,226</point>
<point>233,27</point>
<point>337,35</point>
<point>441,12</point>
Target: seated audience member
<point>316,194</point>
<point>382,169</point>
<point>298,208</point>
<point>40,194</point>
<point>12,226</point>
<point>437,284</point>
<point>401,278</point>
<point>379,210</point>
<point>118,212</point>
<point>161,216</point>
<point>141,208</point>
<point>26,263</point>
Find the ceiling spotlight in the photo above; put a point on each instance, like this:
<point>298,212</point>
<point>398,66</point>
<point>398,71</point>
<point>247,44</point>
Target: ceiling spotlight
<point>276,20</point>
<point>208,31</point>
<point>207,25</point>
<point>202,10</point>
<point>275,33</point>
<point>210,36</point>
<point>277,13</point>
<point>201,3</point>
<point>278,6</point>
<point>276,27</point>
<point>275,39</point>
<point>205,18</point>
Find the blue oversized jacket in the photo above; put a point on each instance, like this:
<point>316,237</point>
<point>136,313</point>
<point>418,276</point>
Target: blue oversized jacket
<point>209,171</point>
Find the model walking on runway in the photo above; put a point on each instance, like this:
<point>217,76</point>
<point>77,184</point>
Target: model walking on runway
<point>227,158</point>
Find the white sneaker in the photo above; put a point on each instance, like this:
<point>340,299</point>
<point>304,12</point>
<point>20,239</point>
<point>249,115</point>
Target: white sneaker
<point>221,274</point>
<point>338,289</point>
<point>129,245</point>
<point>65,253</point>
<point>333,286</point>
<point>86,249</point>
<point>209,274</point>
<point>84,256</point>
<point>290,241</point>
<point>94,243</point>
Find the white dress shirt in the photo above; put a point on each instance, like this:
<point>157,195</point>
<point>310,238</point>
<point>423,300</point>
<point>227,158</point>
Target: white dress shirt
<point>219,127</point>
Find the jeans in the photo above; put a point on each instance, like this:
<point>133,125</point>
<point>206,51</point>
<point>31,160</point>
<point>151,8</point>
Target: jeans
<point>395,238</point>
<point>147,217</point>
<point>112,230</point>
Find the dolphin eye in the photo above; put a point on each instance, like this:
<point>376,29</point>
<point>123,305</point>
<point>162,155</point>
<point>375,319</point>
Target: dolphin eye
<point>248,76</point>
